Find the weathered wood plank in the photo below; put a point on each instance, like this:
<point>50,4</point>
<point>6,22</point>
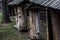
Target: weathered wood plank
<point>49,24</point>
<point>37,26</point>
<point>21,19</point>
<point>54,23</point>
<point>34,25</point>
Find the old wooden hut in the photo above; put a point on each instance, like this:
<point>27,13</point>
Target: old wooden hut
<point>34,11</point>
<point>22,14</point>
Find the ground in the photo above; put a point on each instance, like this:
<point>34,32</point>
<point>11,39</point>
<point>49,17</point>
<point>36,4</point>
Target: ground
<point>9,32</point>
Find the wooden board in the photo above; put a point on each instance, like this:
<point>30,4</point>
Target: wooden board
<point>34,25</point>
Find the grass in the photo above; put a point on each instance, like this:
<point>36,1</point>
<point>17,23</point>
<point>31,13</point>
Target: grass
<point>9,32</point>
<point>0,19</point>
<point>43,32</point>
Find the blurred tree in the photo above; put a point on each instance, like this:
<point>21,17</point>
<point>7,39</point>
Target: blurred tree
<point>5,13</point>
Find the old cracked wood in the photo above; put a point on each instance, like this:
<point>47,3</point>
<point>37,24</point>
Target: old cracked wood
<point>34,25</point>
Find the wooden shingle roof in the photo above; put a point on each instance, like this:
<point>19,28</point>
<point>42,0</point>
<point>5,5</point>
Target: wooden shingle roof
<point>16,2</point>
<point>49,3</point>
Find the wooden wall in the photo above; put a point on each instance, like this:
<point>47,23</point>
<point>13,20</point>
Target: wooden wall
<point>53,24</point>
<point>21,18</point>
<point>56,24</point>
<point>46,16</point>
<point>34,24</point>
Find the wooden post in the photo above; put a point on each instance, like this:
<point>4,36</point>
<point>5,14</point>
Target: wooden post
<point>34,25</point>
<point>49,24</point>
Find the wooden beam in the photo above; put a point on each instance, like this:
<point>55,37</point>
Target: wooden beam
<point>49,24</point>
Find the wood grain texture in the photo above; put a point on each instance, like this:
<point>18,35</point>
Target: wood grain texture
<point>32,26</point>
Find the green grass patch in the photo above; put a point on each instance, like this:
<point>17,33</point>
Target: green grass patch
<point>0,16</point>
<point>9,32</point>
<point>0,19</point>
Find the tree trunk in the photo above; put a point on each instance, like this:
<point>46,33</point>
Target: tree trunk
<point>5,14</point>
